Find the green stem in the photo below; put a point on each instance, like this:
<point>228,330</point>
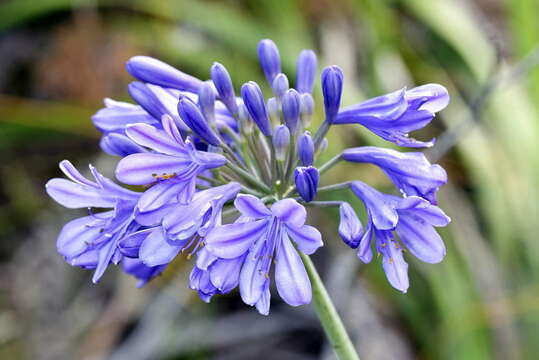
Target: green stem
<point>340,186</point>
<point>292,161</point>
<point>249,178</point>
<point>320,134</point>
<point>323,203</point>
<point>331,322</point>
<point>328,165</point>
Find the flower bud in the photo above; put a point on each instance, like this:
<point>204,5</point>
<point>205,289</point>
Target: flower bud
<point>191,115</point>
<point>273,110</point>
<point>306,179</point>
<point>255,104</point>
<point>306,149</point>
<point>280,85</point>
<point>306,109</point>
<point>323,146</point>
<point>350,228</point>
<point>223,85</point>
<point>281,140</point>
<point>153,71</point>
<point>206,101</point>
<point>147,99</point>
<point>332,79</point>
<point>246,122</point>
<point>270,61</point>
<point>305,71</point>
<point>119,145</point>
<point>291,110</point>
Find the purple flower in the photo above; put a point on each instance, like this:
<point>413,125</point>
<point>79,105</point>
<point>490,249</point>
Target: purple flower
<point>291,110</point>
<point>156,101</point>
<point>306,109</point>
<point>350,228</point>
<point>306,179</point>
<point>254,242</point>
<point>411,172</point>
<point>112,120</point>
<point>201,215</point>
<point>143,273</point>
<point>270,60</point>
<point>192,116</point>
<point>394,115</point>
<point>254,102</point>
<point>332,80</point>
<point>116,115</point>
<point>154,71</point>
<point>280,85</point>
<point>171,168</point>
<point>212,275</point>
<point>412,218</point>
<point>306,149</point>
<point>281,140</point>
<point>173,142</point>
<point>182,227</point>
<point>206,101</point>
<point>119,145</point>
<point>91,242</point>
<point>305,71</point>
<point>225,89</point>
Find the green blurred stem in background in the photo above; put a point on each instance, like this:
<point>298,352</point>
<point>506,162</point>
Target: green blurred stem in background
<point>330,319</point>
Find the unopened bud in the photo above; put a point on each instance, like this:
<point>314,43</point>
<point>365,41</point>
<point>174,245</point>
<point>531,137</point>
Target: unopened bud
<point>281,140</point>
<point>206,101</point>
<point>306,149</point>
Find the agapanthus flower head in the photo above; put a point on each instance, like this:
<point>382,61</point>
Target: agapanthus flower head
<point>194,152</point>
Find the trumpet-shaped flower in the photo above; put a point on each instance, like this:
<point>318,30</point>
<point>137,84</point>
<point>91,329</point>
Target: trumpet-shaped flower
<point>91,242</point>
<point>171,168</point>
<point>266,235</point>
<point>411,172</point>
<point>413,219</point>
<point>394,115</point>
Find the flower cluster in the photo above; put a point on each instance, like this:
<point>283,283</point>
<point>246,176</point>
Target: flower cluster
<point>199,154</point>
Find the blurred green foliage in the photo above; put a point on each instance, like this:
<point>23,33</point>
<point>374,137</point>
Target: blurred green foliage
<point>482,302</point>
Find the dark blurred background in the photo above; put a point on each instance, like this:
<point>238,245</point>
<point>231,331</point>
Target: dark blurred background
<point>60,58</point>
